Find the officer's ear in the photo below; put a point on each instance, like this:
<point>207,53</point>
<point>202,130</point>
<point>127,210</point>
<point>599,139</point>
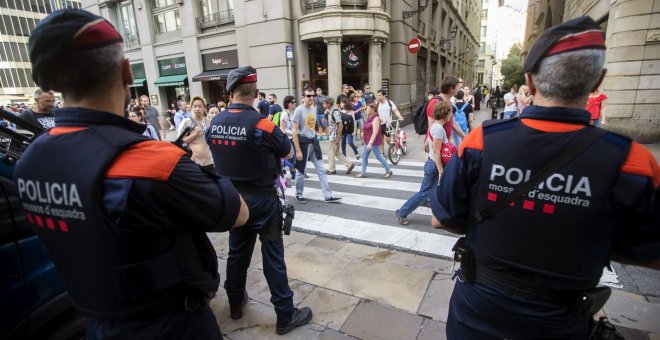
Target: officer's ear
<point>127,73</point>
<point>530,83</point>
<point>600,81</point>
<point>256,93</point>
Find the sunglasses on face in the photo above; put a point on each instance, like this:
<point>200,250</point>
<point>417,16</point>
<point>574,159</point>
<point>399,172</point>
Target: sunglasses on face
<point>310,95</point>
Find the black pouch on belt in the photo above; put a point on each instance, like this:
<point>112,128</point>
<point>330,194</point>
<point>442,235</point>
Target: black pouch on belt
<point>465,255</point>
<point>591,301</point>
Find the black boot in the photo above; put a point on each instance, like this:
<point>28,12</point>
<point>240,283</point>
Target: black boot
<point>237,312</point>
<point>301,316</point>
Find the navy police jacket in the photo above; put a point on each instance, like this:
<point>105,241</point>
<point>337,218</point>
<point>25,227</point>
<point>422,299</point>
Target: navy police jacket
<point>245,147</point>
<point>563,232</point>
<point>123,217</point>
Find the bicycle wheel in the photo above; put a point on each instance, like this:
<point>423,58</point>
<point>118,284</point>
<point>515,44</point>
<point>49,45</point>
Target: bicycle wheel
<point>393,154</point>
<point>404,147</point>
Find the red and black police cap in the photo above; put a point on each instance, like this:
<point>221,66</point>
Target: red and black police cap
<point>572,35</point>
<point>64,32</point>
<point>241,75</point>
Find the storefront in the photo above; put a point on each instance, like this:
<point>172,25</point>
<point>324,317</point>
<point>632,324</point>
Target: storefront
<point>214,78</point>
<point>173,79</point>
<point>139,86</point>
<point>354,66</point>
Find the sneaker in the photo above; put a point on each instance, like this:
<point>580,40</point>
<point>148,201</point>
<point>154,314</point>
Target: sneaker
<point>357,157</point>
<point>350,168</point>
<point>237,313</point>
<point>332,200</point>
<point>402,220</point>
<point>305,175</point>
<point>387,174</point>
<point>301,316</point>
<point>328,172</point>
<point>301,199</point>
<point>360,175</point>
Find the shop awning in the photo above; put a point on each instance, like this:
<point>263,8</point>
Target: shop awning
<point>212,75</point>
<point>137,82</point>
<point>175,80</point>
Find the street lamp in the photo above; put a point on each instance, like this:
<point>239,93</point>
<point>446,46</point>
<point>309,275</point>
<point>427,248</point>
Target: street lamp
<point>452,35</point>
<point>421,7</point>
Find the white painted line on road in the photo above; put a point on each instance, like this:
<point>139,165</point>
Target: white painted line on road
<point>371,168</point>
<point>418,241</point>
<point>376,202</point>
<point>369,182</point>
<point>401,162</point>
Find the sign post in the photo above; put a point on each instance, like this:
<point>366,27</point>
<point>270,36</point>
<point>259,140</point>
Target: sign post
<point>288,51</point>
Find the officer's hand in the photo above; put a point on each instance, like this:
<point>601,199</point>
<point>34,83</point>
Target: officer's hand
<point>243,214</point>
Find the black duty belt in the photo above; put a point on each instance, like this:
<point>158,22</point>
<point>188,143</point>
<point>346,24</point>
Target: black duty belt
<point>524,288</point>
<point>252,191</point>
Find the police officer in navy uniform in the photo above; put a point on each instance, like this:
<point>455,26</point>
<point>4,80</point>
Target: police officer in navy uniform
<point>527,268</point>
<point>247,149</point>
<point>123,217</point>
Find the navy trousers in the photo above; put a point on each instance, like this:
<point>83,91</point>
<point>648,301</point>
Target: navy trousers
<point>477,311</point>
<point>241,244</point>
<point>178,324</point>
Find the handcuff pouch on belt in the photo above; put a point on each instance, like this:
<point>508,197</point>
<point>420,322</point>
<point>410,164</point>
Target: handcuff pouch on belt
<point>580,304</point>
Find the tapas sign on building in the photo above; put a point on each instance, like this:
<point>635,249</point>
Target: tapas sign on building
<point>351,55</point>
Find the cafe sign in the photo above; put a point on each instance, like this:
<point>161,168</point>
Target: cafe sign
<point>172,66</point>
<point>351,55</point>
<point>220,60</point>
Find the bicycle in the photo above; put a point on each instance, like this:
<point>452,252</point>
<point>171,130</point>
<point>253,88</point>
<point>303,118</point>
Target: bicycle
<point>399,143</point>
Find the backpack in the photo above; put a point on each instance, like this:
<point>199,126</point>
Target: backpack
<point>276,118</point>
<point>349,124</point>
<point>420,120</point>
<point>463,119</point>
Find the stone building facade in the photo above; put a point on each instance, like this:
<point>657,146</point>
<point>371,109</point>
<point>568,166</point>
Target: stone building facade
<point>632,83</point>
<point>182,48</point>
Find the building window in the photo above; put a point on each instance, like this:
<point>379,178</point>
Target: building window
<point>127,26</point>
<point>215,13</point>
<point>166,15</point>
<point>480,78</point>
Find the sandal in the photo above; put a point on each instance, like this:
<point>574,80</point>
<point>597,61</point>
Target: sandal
<point>387,174</point>
<point>402,220</point>
<point>360,175</point>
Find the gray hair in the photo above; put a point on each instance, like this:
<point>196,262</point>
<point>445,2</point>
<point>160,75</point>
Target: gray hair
<point>87,73</point>
<point>569,77</point>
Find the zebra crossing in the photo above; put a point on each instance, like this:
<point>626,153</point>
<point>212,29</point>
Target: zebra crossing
<point>366,211</point>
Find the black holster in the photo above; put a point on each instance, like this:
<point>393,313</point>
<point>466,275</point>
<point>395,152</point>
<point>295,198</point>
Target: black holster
<point>464,254</point>
<point>591,301</point>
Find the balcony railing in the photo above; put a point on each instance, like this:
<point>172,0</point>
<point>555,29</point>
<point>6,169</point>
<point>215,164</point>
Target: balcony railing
<point>131,40</point>
<point>319,5</point>
<point>215,19</point>
<point>354,4</point>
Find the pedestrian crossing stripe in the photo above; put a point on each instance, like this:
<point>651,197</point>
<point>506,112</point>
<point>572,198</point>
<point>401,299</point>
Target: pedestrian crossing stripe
<point>383,235</point>
<point>360,200</point>
<point>372,160</point>
<point>370,182</point>
<point>371,168</point>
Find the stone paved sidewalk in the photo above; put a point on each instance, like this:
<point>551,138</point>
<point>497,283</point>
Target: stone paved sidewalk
<point>363,292</point>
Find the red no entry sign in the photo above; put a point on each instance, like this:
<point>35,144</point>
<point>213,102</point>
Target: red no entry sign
<point>414,45</point>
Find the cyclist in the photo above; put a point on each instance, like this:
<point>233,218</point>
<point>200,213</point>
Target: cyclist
<point>385,109</point>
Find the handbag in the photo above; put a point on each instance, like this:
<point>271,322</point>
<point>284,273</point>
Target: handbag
<point>446,152</point>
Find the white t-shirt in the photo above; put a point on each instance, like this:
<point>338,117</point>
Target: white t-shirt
<point>437,131</point>
<point>385,112</point>
<point>285,116</point>
<point>512,107</point>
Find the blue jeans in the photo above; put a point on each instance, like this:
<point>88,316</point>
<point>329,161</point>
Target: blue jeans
<point>379,156</point>
<point>344,139</point>
<point>429,182</point>
<point>510,114</point>
<point>320,171</point>
<point>241,244</point>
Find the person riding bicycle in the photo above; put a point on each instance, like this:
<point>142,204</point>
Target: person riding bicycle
<point>385,109</point>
